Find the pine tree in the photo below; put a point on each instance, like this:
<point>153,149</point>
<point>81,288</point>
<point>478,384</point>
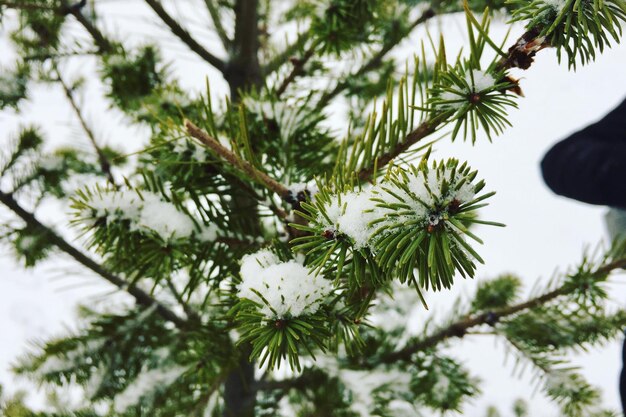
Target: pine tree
<point>272,263</point>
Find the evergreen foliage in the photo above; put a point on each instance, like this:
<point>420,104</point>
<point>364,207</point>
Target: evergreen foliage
<point>274,261</point>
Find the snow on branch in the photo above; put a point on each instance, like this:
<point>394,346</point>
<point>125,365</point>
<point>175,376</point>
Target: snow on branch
<point>281,289</point>
<point>146,212</point>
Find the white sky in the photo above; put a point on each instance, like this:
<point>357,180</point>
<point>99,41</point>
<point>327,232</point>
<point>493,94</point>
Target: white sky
<point>543,232</point>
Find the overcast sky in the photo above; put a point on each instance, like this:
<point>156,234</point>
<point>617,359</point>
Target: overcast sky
<point>544,233</point>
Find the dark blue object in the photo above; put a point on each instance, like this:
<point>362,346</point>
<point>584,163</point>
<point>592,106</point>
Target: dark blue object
<point>590,165</point>
<point>622,379</point>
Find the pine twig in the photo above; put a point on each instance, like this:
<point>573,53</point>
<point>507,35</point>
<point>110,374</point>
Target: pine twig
<point>241,165</point>
<point>520,55</point>
<point>298,68</point>
<point>103,44</point>
<point>100,40</point>
<point>376,59</point>
<point>105,165</point>
<point>217,22</point>
<point>283,56</point>
<point>179,298</point>
<point>459,328</point>
<point>299,382</point>
<point>141,297</point>
<point>59,55</point>
<point>185,36</point>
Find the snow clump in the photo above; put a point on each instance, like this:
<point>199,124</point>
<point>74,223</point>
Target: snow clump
<point>281,288</point>
<point>148,213</point>
<point>359,215</point>
<point>351,214</point>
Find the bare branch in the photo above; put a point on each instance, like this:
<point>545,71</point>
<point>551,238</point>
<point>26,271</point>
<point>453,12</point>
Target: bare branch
<point>185,36</point>
<point>298,68</point>
<point>217,22</point>
<point>105,165</point>
<point>103,44</point>
<point>282,57</point>
<point>141,297</point>
<point>60,55</point>
<point>376,59</point>
<point>243,166</point>
<point>75,10</point>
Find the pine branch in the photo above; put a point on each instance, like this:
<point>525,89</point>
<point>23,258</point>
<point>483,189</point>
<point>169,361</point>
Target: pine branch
<point>299,382</point>
<point>186,308</point>
<point>298,68</point>
<point>105,165</point>
<point>75,10</point>
<point>59,55</point>
<point>26,6</point>
<point>376,59</point>
<point>99,39</point>
<point>185,36</point>
<point>283,56</point>
<point>243,166</point>
<point>459,329</point>
<point>141,297</point>
<point>520,55</point>
<point>219,28</point>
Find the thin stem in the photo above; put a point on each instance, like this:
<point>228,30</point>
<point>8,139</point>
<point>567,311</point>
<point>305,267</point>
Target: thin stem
<point>59,55</point>
<point>185,36</point>
<point>179,298</point>
<point>241,165</point>
<point>105,165</point>
<point>217,23</point>
<point>299,382</point>
<point>99,39</point>
<point>75,10</point>
<point>141,297</point>
<point>298,68</point>
<point>459,328</point>
<point>376,59</point>
<point>283,56</point>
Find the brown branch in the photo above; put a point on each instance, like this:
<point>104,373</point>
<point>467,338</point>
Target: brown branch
<point>105,165</point>
<point>186,308</point>
<point>520,55</point>
<point>241,165</point>
<point>416,135</point>
<point>99,39</point>
<point>75,10</point>
<point>59,55</point>
<point>298,68</point>
<point>283,56</point>
<point>459,329</point>
<point>141,297</point>
<point>185,36</point>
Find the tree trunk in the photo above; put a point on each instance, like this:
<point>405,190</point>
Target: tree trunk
<point>243,72</point>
